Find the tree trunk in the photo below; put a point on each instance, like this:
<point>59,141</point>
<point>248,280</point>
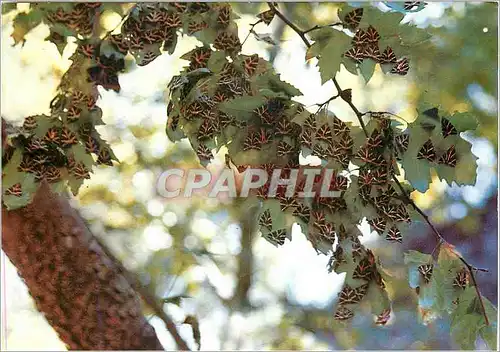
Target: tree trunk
<point>75,285</point>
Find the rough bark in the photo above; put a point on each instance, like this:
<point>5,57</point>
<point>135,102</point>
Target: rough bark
<point>74,284</point>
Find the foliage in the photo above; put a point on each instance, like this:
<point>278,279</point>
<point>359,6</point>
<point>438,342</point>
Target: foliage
<point>223,98</point>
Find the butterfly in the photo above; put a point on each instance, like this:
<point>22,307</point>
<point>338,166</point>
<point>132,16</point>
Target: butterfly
<point>224,16</point>
<point>378,224</point>
<point>250,64</point>
<point>402,67</point>
<point>350,295</point>
<point>388,56</point>
<point>356,54</point>
<point>427,151</point>
<point>426,271</point>
<point>284,149</point>
<point>266,220</point>
<point>394,235</point>
<point>461,279</point>
<point>447,128</point>
<point>343,313</point>
<point>303,212</point>
<point>276,237</point>
<point>383,317</point>
<point>15,190</point>
<point>324,133</point>
<point>360,38</point>
<point>363,271</point>
<point>203,152</point>
<point>372,35</point>
<point>266,16</point>
<point>80,171</point>
<point>353,18</point>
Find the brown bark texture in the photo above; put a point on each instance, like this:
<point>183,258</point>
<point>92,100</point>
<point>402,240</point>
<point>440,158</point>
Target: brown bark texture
<point>79,289</point>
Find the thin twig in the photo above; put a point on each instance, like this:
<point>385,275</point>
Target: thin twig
<point>410,201</point>
<point>289,24</point>
<point>327,102</point>
<point>388,113</point>
<point>324,26</point>
<point>252,26</point>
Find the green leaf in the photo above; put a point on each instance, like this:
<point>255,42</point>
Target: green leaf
<point>75,184</point>
<point>378,299</point>
<point>206,36</point>
<point>463,121</point>
<point>489,335</point>
<point>410,35</point>
<point>465,331</point>
<point>12,176</point>
<point>417,258</point>
<point>386,23</point>
<point>464,173</point>
<point>23,23</point>
<point>413,259</point>
<point>242,107</point>
<point>58,40</point>
<point>8,7</point>
<point>465,301</point>
<point>322,34</point>
<point>176,135</point>
<point>216,61</point>
<point>489,332</point>
<point>277,84</point>
<point>43,123</point>
<point>81,156</point>
<point>331,54</point>
<point>313,51</point>
<point>28,187</point>
<point>350,65</point>
<point>171,47</point>
<point>367,68</point>
<point>417,172</point>
<point>268,93</point>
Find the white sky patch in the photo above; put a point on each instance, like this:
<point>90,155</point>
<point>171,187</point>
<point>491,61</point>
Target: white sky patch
<point>169,218</point>
<point>155,207</point>
<point>156,238</point>
<point>143,182</point>
<point>203,228</point>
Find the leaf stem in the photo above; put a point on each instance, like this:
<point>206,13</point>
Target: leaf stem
<point>316,27</point>
<point>410,201</point>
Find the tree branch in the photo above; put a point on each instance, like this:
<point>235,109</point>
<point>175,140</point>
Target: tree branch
<point>410,201</point>
<point>75,280</point>
<point>74,284</point>
<point>147,296</point>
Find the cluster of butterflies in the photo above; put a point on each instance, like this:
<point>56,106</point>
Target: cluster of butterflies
<point>154,25</point>
<point>461,279</point>
<point>366,270</point>
<point>365,45</point>
<point>428,151</point>
<point>328,142</point>
<point>45,157</point>
<point>80,19</point>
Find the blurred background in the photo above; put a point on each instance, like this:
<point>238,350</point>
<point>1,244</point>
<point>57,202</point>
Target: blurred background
<point>197,254</point>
